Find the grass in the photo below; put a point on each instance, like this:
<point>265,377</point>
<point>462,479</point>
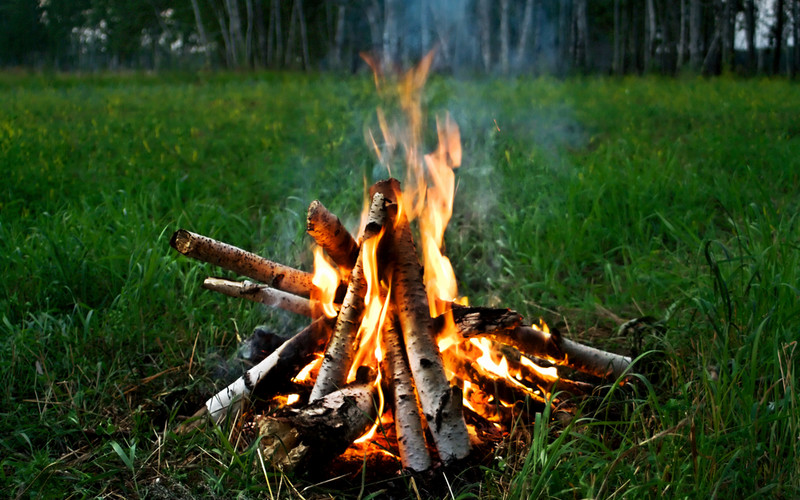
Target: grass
<point>578,201</point>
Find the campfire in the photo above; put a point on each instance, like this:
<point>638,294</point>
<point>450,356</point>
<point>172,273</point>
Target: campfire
<point>394,364</point>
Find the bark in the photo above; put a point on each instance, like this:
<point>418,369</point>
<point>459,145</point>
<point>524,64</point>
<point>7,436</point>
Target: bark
<point>230,59</point>
<point>299,438</point>
<point>441,404</point>
<point>619,44</point>
<point>408,421</point>
<point>340,353</point>
<point>303,35</point>
<point>727,32</point>
<point>485,34</point>
<point>241,262</point>
<point>201,31</point>
<point>505,37</point>
<point>750,35</point>
<point>275,36</point>
<point>777,33</point>
<point>269,374</point>
<point>235,28</point>
<point>329,233</point>
<point>582,59</point>
<point>261,33</point>
<point>338,41</point>
<point>650,36</point>
<point>681,36</point>
<point>248,45</point>
<point>695,24</point>
<point>389,34</point>
<point>260,293</point>
<point>796,36</point>
<point>522,42</point>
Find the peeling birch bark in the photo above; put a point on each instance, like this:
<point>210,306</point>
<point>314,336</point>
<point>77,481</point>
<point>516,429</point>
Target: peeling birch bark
<point>441,404</point>
<point>242,262</point>
<point>260,293</point>
<point>414,453</point>
<point>329,233</point>
<point>289,358</point>
<point>340,352</point>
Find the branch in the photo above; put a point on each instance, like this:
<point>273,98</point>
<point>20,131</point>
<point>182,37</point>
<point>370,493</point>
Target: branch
<point>242,262</point>
<point>329,233</point>
<point>260,293</point>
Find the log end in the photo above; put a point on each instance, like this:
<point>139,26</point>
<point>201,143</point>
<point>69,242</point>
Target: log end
<point>181,241</point>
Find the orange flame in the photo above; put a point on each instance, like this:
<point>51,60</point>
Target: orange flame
<point>326,280</point>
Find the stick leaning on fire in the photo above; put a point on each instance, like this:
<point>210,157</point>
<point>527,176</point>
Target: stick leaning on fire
<point>289,288</point>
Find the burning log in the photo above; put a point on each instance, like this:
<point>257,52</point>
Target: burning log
<point>260,293</point>
<point>339,354</point>
<point>242,262</point>
<point>320,430</point>
<point>504,326</point>
<point>441,403</point>
<point>414,453</point>
<point>329,233</point>
<point>562,351</point>
<point>274,370</point>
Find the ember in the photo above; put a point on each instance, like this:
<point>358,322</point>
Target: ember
<point>392,362</point>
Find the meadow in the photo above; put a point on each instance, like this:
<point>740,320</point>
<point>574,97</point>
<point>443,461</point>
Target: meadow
<point>580,201</point>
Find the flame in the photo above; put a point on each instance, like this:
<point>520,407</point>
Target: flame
<point>326,280</point>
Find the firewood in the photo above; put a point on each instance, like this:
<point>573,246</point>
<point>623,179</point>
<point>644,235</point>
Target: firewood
<point>414,452</point>
<point>260,293</point>
<point>329,233</point>
<point>441,403</point>
<point>340,353</point>
<point>242,262</point>
<point>275,369</point>
<point>319,431</point>
<point>563,352</point>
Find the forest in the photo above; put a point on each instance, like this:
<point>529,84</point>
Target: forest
<point>497,37</point>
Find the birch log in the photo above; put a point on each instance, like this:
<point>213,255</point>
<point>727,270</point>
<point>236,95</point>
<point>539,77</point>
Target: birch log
<point>320,430</point>
<point>289,358</point>
<point>242,262</point>
<point>414,453</point>
<point>441,403</point>
<point>260,293</point>
<point>340,352</point>
<point>329,233</point>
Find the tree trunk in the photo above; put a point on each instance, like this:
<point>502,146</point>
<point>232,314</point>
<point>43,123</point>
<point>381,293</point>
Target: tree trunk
<point>486,34</point>
<point>564,39</point>
<point>777,33</point>
<point>681,37</point>
<point>727,33</point>
<point>750,35</point>
<point>650,36</point>
<point>695,25</point>
<point>235,28</point>
<point>522,43</point>
<point>389,44</point>
<point>201,31</point>
<point>582,58</point>
<point>796,36</point>
<point>248,44</point>
<point>290,42</point>
<point>303,35</point>
<point>261,34</point>
<point>504,37</point>
<point>616,62</point>
<point>226,40</point>
<point>275,35</point>
<point>338,41</point>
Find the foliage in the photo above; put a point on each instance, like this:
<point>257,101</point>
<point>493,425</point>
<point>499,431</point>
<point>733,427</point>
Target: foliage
<point>576,199</point>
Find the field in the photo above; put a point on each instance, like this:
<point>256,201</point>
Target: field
<point>579,201</point>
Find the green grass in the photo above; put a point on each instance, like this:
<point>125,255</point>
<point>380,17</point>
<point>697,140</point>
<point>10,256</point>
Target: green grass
<point>672,198</point>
